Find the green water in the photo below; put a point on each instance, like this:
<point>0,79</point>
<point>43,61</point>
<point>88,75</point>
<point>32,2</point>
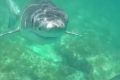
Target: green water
<point>95,55</point>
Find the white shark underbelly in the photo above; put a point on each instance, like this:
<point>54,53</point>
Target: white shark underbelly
<point>41,17</point>
<point>45,19</point>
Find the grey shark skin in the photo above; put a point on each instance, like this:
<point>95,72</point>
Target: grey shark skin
<point>44,18</point>
<point>40,17</point>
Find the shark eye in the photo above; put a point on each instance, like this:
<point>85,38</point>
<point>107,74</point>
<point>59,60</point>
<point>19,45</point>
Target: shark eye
<point>39,28</point>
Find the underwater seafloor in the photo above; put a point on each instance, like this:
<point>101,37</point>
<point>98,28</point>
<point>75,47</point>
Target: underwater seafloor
<point>95,55</point>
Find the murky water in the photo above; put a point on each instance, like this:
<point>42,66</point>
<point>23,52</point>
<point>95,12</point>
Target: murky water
<point>95,55</point>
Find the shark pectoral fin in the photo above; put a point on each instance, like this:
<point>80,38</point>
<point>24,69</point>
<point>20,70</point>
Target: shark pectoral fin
<point>73,33</point>
<point>10,32</point>
<point>14,13</point>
